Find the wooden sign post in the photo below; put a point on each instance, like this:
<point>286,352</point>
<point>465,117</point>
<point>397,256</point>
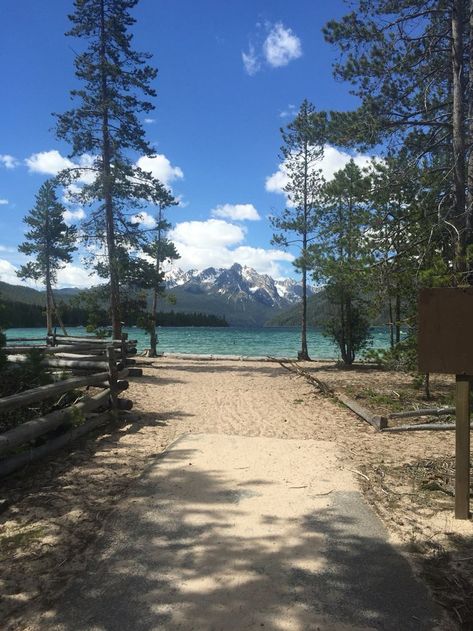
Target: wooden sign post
<point>446,346</point>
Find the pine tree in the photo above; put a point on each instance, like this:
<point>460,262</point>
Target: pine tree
<point>342,258</point>
<point>411,66</point>
<point>158,250</point>
<point>50,241</point>
<point>301,152</point>
<point>105,124</point>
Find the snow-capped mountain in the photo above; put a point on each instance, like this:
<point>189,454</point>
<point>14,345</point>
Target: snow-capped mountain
<point>237,289</point>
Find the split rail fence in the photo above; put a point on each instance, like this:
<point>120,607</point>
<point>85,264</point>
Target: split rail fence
<point>74,363</point>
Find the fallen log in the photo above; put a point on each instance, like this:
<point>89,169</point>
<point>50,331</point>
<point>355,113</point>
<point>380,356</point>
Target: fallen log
<point>50,390</point>
<point>422,426</point>
<point>36,427</point>
<point>422,412</point>
<point>380,422</point>
<point>13,463</point>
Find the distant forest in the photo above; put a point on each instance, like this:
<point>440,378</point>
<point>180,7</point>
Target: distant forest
<point>19,314</point>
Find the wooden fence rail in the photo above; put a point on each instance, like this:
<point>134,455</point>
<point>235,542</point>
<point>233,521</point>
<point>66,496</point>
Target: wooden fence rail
<point>104,364</point>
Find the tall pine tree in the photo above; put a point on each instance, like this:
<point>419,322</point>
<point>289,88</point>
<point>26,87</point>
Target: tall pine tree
<point>50,241</point>
<point>116,88</point>
<point>300,154</point>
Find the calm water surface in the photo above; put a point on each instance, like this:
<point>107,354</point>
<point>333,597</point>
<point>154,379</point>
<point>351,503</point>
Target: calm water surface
<point>277,342</point>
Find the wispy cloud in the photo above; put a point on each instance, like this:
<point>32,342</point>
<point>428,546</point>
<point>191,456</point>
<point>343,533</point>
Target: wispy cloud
<point>237,212</point>
<point>289,112</point>
<point>251,61</point>
<point>149,121</point>
<point>8,161</point>
<point>4,202</point>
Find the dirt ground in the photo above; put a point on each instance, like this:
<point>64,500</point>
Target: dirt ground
<point>57,508</point>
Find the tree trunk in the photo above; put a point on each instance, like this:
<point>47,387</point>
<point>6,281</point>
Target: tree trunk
<point>153,338</point>
<point>391,323</point>
<point>304,353</point>
<point>56,311</point>
<point>49,305</point>
<point>469,196</point>
<point>107,190</point>
<point>398,318</point>
<point>458,140</point>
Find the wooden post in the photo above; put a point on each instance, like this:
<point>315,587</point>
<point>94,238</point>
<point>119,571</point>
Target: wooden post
<point>462,448</point>
<point>124,347</point>
<point>112,371</point>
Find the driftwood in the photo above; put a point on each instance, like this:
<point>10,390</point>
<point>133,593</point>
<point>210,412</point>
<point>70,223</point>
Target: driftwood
<point>423,412</point>
<point>50,390</point>
<point>13,463</point>
<point>32,429</point>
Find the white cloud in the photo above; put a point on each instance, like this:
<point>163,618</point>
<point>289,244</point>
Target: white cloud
<point>145,219</point>
<point>211,233</point>
<point>75,276</point>
<point>3,202</point>
<point>281,46</point>
<point>48,162</point>
<point>149,121</point>
<point>52,162</point>
<point>70,216</point>
<point>216,243</point>
<point>8,273</point>
<point>160,167</point>
<point>69,276</point>
<point>8,161</point>
<point>332,161</point>
<point>237,212</point>
<point>251,62</point>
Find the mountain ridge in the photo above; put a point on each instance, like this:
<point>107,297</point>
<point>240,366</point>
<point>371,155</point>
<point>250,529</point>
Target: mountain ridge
<point>238,293</point>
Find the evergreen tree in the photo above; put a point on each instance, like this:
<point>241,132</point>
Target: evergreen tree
<point>50,241</point>
<point>342,258</point>
<point>116,87</point>
<point>410,63</point>
<point>301,152</point>
<point>159,250</point>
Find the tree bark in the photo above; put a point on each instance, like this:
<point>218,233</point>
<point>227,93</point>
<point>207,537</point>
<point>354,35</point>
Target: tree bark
<point>304,352</point>
<point>107,189</point>
<point>458,140</point>
<point>469,195</point>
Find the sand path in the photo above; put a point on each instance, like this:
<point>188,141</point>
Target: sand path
<point>76,492</point>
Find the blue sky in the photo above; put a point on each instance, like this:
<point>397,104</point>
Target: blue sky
<point>230,74</point>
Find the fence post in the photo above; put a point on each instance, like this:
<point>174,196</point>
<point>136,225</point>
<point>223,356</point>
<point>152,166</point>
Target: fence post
<point>112,372</point>
<point>124,347</point>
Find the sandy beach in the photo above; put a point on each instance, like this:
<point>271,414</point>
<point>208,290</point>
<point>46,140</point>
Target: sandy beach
<point>57,509</point>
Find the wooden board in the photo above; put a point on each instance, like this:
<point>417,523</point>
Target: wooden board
<point>445,341</point>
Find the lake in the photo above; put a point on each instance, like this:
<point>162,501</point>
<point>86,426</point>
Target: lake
<point>277,341</point>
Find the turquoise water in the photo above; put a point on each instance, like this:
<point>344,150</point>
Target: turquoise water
<point>277,342</point>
